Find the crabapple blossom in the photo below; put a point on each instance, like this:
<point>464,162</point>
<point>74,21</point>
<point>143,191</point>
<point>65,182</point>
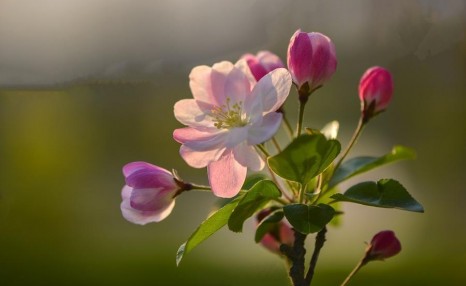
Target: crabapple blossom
<point>229,114</point>
<point>148,195</point>
<point>311,59</point>
<point>375,90</point>
<point>262,63</point>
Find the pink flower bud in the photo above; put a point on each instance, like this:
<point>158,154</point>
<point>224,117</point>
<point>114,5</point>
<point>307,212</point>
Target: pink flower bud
<point>262,63</point>
<point>311,59</point>
<point>280,234</point>
<point>148,195</point>
<point>383,245</point>
<point>375,90</point>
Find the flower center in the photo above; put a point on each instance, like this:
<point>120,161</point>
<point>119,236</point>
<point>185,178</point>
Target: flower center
<point>227,116</point>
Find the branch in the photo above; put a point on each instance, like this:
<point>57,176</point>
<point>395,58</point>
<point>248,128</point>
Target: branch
<point>320,240</point>
<point>296,255</point>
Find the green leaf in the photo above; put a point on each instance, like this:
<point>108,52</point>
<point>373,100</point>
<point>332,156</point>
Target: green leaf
<point>267,224</point>
<point>256,198</point>
<point>386,193</point>
<point>306,157</point>
<point>363,164</point>
<point>308,219</point>
<point>325,198</point>
<point>208,227</point>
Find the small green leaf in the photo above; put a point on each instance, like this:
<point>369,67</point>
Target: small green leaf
<point>208,227</point>
<point>308,219</point>
<point>386,193</point>
<point>363,164</point>
<point>306,157</point>
<point>267,224</point>
<point>259,195</point>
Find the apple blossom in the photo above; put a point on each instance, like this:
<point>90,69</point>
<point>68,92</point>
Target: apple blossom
<point>311,59</point>
<point>229,115</point>
<point>262,63</point>
<point>375,90</point>
<point>148,195</point>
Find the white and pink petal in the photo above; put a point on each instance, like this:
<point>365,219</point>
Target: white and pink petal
<point>132,167</point>
<point>201,140</point>
<point>267,128</point>
<point>142,217</point>
<point>273,89</point>
<point>192,113</point>
<point>247,156</point>
<point>226,176</point>
<point>200,159</point>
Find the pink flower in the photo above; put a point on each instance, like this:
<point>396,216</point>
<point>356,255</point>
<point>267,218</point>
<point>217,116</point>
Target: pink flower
<point>383,245</point>
<point>281,234</point>
<point>229,114</point>
<point>262,63</point>
<point>311,59</point>
<point>148,195</point>
<point>375,90</point>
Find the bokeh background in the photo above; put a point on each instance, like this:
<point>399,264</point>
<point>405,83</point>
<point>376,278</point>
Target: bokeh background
<point>87,86</point>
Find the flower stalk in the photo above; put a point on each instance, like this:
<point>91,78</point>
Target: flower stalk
<point>354,138</point>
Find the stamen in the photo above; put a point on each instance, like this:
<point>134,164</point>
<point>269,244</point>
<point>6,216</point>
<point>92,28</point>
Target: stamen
<point>227,116</point>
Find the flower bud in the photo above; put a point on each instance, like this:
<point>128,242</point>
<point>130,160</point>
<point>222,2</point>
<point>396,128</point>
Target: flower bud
<point>148,195</point>
<point>311,59</point>
<point>280,234</point>
<point>375,91</point>
<point>262,63</point>
<point>383,245</point>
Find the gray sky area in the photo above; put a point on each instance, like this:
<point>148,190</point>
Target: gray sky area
<point>55,41</point>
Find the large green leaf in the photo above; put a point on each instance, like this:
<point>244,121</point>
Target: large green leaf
<point>386,193</point>
<point>306,157</point>
<point>267,224</point>
<point>208,227</point>
<point>256,198</point>
<point>363,164</point>
<point>308,219</point>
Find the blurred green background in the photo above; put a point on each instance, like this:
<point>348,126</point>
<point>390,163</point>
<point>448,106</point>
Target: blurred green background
<point>88,86</point>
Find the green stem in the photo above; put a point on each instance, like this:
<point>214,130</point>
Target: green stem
<point>275,143</point>
<point>353,140</point>
<point>318,188</point>
<point>355,270</point>
<point>288,127</point>
<point>282,201</point>
<point>263,150</point>
<point>302,104</point>
<point>272,174</point>
<point>302,190</point>
<point>200,187</point>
